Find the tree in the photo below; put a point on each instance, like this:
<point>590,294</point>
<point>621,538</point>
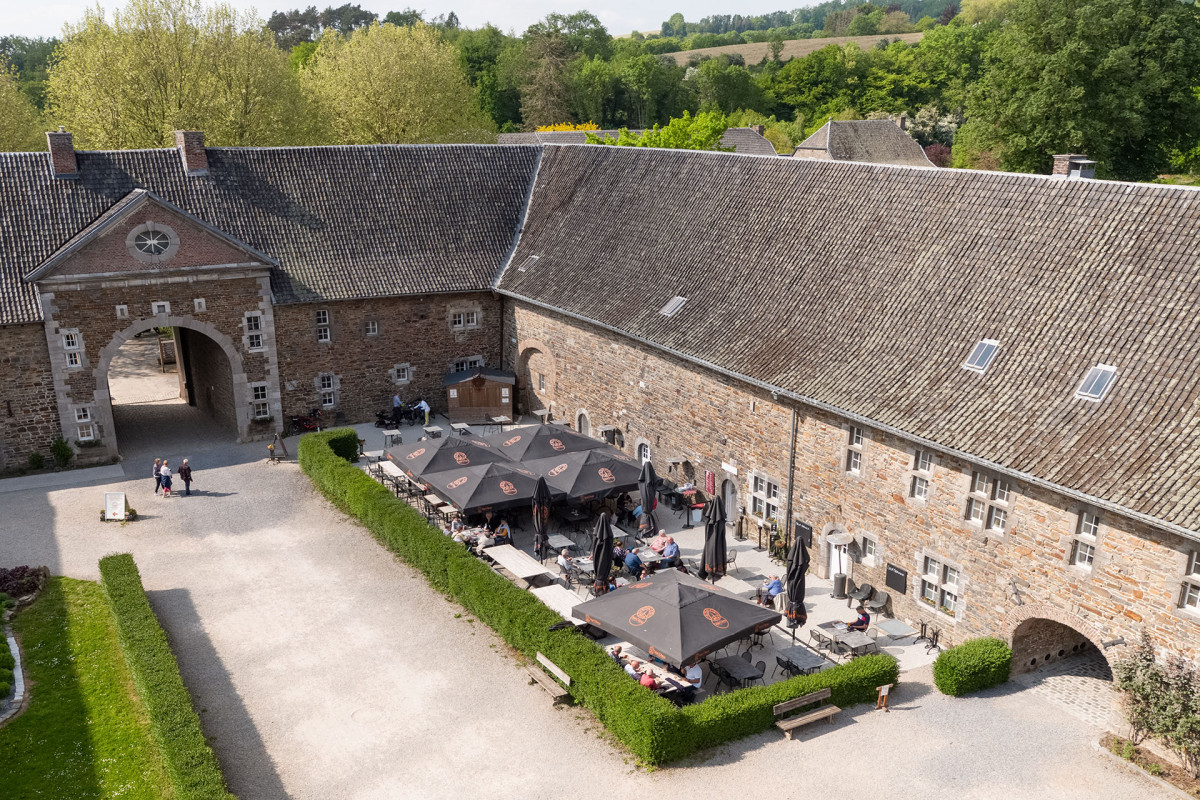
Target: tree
<point>388,84</point>
<point>409,16</point>
<point>582,32</point>
<point>30,60</point>
<point>1110,78</point>
<point>20,128</point>
<point>701,132</point>
<point>948,13</point>
<point>775,46</point>
<point>675,26</point>
<point>166,65</point>
<point>545,92</point>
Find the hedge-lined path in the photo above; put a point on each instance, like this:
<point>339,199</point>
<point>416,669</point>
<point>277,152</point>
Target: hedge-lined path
<point>325,669</point>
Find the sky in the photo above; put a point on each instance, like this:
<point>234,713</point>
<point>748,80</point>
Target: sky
<point>46,17</point>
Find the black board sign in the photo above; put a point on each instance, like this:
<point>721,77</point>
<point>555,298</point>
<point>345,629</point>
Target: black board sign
<point>803,534</point>
<point>897,579</point>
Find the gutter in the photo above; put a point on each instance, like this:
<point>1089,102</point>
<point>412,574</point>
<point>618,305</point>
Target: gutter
<point>778,391</point>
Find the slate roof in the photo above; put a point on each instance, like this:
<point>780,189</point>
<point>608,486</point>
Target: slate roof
<point>743,141</point>
<point>863,288</point>
<point>877,141</point>
<point>343,222</point>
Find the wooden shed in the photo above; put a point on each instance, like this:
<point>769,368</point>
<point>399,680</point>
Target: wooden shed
<point>478,394</point>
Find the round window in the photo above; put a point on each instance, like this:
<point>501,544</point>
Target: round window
<point>152,243</point>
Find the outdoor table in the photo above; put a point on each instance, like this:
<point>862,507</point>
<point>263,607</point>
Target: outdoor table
<point>648,556</point>
<point>500,422</point>
<point>461,428</point>
<point>573,517</point>
<point>392,474</point>
<point>433,431</point>
<point>735,586</point>
<point>803,659</point>
<point>560,599</point>
<point>525,567</point>
<point>895,629</point>
<point>858,642</point>
<point>560,542</point>
<point>432,501</point>
<point>390,437</point>
<point>741,670</point>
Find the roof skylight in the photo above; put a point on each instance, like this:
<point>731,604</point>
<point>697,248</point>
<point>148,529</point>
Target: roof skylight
<point>1097,382</point>
<point>673,305</point>
<point>981,357</point>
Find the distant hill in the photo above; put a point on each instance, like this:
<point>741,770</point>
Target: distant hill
<point>794,48</point>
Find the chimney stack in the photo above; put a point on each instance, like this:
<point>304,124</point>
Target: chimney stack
<point>191,149</point>
<point>759,129</point>
<point>62,154</point>
<point>1073,165</point>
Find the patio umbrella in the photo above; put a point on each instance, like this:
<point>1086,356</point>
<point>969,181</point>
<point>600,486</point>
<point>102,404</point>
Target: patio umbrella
<point>541,517</point>
<point>543,441</point>
<point>438,455</point>
<point>486,487</point>
<point>589,475</point>
<point>647,489</point>
<point>675,617</point>
<point>602,554</point>
<point>797,570</point>
<point>715,553</point>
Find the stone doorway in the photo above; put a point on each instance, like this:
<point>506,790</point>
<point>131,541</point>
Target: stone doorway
<point>1061,664</point>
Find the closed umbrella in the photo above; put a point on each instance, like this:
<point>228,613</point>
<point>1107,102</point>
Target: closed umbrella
<point>715,553</point>
<point>602,552</point>
<point>797,570</point>
<point>647,489</point>
<point>541,517</point>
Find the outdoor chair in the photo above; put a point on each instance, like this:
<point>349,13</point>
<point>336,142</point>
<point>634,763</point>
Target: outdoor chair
<point>861,594</point>
<point>878,604</point>
<point>762,672</point>
<point>823,642</point>
<point>730,559</point>
<point>746,656</point>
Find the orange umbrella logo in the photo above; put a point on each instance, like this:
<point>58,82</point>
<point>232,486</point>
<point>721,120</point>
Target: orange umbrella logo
<point>512,441</point>
<point>641,616</point>
<point>558,445</point>
<point>415,454</point>
<point>606,475</point>
<point>560,469</point>
<point>456,483</point>
<point>714,616</point>
<point>657,653</point>
<point>461,458</point>
<point>508,488</point>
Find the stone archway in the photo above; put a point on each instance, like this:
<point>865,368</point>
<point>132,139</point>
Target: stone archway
<point>535,377</point>
<point>1041,634</point>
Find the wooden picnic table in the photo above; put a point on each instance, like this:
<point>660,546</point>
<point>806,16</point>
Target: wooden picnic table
<point>560,599</point>
<point>522,565</point>
<point>433,431</point>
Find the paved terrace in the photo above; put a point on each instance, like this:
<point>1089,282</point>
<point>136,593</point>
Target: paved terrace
<point>324,668</point>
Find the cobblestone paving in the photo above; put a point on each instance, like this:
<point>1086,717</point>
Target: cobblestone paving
<point>1081,686</point>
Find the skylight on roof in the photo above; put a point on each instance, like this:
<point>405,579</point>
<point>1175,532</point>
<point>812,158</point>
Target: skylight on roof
<point>1097,382</point>
<point>673,305</point>
<point>981,357</point>
<point>529,262</point>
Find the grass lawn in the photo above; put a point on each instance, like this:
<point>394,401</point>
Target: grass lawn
<point>85,733</point>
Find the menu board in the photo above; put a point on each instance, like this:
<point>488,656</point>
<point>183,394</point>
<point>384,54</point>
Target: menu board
<point>114,505</point>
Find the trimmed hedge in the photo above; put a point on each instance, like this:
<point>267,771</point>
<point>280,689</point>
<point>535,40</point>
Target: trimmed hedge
<point>651,727</point>
<point>972,666</point>
<point>190,763</point>
<point>7,664</point>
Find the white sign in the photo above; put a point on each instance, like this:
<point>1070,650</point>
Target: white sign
<point>730,468</point>
<point>453,394</point>
<point>114,505</point>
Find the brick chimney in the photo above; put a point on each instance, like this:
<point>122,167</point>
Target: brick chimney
<point>1073,165</point>
<point>62,154</point>
<point>902,122</point>
<point>191,148</point>
<point>759,129</point>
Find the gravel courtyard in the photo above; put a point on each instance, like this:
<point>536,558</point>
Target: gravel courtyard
<point>324,668</point>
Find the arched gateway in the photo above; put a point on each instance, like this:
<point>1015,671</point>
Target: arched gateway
<point>1041,634</point>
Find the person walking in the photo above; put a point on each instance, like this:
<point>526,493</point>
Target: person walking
<point>185,475</point>
<point>157,475</point>
<point>423,406</point>
<point>164,475</point>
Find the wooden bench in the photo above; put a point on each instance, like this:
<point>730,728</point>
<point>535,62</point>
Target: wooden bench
<point>555,690</point>
<point>791,723</point>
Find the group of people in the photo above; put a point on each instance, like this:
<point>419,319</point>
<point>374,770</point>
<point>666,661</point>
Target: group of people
<point>162,476</point>
<point>489,531</point>
<point>398,405</point>
<point>691,676</point>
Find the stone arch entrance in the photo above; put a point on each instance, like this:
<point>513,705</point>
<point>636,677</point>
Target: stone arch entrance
<point>1041,634</point>
<point>201,347</point>
<point>535,377</point>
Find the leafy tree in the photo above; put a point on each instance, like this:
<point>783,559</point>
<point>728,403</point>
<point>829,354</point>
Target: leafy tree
<point>726,87</point>
<point>952,59</point>
<point>388,84</point>
<point>582,33</point>
<point>493,63</point>
<point>545,92</point>
<point>409,16</point>
<point>938,154</point>
<point>30,59</point>
<point>675,26</point>
<point>775,46</point>
<point>593,90</point>
<point>950,12</point>
<point>20,128</point>
<point>164,65</point>
<point>1110,78</point>
<point>701,132</point>
<point>296,26</point>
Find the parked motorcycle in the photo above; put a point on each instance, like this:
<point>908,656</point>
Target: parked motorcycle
<point>302,424</point>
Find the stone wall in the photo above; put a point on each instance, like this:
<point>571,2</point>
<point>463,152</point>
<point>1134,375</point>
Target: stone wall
<point>1038,642</point>
<point>210,376</point>
<point>28,416</point>
<point>412,335</point>
<point>1004,577</point>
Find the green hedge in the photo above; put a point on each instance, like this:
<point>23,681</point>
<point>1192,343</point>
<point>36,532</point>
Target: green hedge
<point>651,727</point>
<point>190,762</point>
<point>972,666</point>
<point>7,663</point>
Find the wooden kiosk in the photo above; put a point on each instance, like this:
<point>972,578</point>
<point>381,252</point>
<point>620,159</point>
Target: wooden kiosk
<point>478,394</point>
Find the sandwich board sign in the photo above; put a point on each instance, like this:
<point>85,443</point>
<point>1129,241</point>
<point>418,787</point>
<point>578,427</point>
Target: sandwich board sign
<point>115,506</point>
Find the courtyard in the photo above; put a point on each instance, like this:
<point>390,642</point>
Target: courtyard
<point>324,668</point>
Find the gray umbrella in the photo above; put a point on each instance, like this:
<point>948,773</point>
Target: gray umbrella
<point>541,517</point>
<point>715,554</point>
<point>602,554</point>
<point>647,488</point>
<point>797,568</point>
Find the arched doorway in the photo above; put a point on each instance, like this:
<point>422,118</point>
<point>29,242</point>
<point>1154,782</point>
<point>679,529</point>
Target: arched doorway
<point>535,377</point>
<point>583,424</point>
<point>729,498</point>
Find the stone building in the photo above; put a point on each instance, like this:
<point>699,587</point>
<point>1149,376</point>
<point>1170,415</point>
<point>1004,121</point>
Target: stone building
<point>975,388</point>
<point>875,141</point>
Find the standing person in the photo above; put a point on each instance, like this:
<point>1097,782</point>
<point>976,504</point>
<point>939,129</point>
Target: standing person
<point>157,475</point>
<point>164,474</point>
<point>396,403</point>
<point>423,406</point>
<point>185,475</point>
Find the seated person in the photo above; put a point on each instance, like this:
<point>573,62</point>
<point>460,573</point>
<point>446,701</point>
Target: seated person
<point>564,561</point>
<point>456,525</point>
<point>634,669</point>
<point>616,654</point>
<point>670,553</point>
<point>694,675</point>
<point>618,554</point>
<point>659,542</point>
<point>862,623</point>
<point>503,533</point>
<point>649,682</point>
<point>633,563</point>
<point>491,522</point>
<point>772,587</point>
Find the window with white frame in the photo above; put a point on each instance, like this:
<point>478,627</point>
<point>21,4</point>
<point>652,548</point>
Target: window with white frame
<point>1096,383</point>
<point>981,355</point>
<point>922,473</point>
<point>326,390</point>
<point>73,359</point>
<point>401,373</point>
<point>869,548</point>
<point>83,415</point>
<point>989,502</point>
<point>1190,595</point>
<point>87,433</point>
<point>541,382</point>
<point>160,307</point>
<point>1083,546</point>
<point>854,450</point>
<point>464,364</point>
<point>322,317</point>
<point>941,586</point>
<point>200,305</point>
<point>643,452</point>
<point>254,337</point>
<point>258,401</point>
<point>372,327</point>
<point>461,320</point>
<point>764,497</point>
<point>122,312</point>
<point>70,340</point>
<point>324,335</point>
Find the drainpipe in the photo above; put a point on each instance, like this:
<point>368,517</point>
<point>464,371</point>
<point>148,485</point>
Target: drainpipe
<point>787,519</point>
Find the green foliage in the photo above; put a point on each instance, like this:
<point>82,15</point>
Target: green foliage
<point>20,125</point>
<point>972,666</point>
<point>60,450</point>
<point>701,132</point>
<point>1162,700</point>
<point>37,461</point>
<point>190,762</point>
<point>651,727</point>
<point>85,733</point>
